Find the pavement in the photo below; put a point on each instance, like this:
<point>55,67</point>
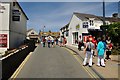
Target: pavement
<point>111,70</point>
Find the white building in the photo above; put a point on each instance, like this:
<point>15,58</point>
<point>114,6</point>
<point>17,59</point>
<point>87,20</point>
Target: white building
<point>13,23</point>
<point>64,31</point>
<point>81,23</point>
<point>32,34</point>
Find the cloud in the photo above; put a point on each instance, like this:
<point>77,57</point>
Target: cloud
<point>57,17</point>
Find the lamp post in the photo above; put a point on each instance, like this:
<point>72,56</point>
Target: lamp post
<point>43,30</point>
<point>104,31</point>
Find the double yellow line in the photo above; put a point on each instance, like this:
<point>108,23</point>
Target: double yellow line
<point>15,74</point>
<point>80,61</point>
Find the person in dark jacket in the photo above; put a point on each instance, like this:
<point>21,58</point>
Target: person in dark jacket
<point>44,41</point>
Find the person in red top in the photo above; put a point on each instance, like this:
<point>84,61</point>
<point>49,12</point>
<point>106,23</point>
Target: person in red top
<point>44,40</point>
<point>108,52</point>
<point>94,41</point>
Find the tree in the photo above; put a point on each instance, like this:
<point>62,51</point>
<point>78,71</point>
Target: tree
<point>114,32</point>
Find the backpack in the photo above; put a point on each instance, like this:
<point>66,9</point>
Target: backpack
<point>88,47</point>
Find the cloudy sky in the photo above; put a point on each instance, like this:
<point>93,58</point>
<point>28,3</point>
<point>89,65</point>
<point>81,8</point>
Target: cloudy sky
<point>54,15</point>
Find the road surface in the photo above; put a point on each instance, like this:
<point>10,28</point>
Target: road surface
<point>51,63</point>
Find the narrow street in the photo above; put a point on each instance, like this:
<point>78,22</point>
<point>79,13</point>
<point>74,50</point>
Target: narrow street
<point>51,63</point>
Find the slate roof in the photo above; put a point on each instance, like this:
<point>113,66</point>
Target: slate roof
<point>84,16</point>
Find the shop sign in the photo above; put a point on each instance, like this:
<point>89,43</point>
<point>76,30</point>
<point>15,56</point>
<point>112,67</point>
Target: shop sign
<point>16,12</point>
<point>3,40</point>
<point>77,27</point>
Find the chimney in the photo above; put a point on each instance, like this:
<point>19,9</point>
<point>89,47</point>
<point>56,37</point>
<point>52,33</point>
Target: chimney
<point>115,15</point>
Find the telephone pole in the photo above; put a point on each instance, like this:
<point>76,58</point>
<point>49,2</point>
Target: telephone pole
<point>119,9</point>
<point>103,12</point>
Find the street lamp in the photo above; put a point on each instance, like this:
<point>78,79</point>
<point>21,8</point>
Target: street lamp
<point>43,30</point>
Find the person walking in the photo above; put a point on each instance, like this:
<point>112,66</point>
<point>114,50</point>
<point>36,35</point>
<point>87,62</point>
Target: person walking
<point>60,41</point>
<point>94,41</point>
<point>109,48</point>
<point>100,51</point>
<point>49,41</point>
<point>88,51</point>
<point>64,41</point>
<point>56,41</point>
<point>52,42</point>
<point>44,41</point>
<point>79,43</point>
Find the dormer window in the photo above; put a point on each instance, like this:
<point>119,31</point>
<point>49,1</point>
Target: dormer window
<point>91,20</point>
<point>32,32</point>
<point>91,23</point>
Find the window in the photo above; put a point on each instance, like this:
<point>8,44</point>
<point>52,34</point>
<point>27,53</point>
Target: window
<point>13,3</point>
<point>15,18</point>
<point>85,24</point>
<point>67,33</point>
<point>32,32</point>
<point>91,23</point>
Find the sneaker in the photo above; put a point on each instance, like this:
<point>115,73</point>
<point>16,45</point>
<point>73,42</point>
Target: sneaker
<point>84,65</point>
<point>103,66</point>
<point>90,66</point>
<point>98,65</point>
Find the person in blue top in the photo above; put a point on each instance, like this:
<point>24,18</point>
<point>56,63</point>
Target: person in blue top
<point>101,51</point>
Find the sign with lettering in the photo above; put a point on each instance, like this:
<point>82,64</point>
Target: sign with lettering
<point>16,12</point>
<point>77,27</point>
<point>3,40</point>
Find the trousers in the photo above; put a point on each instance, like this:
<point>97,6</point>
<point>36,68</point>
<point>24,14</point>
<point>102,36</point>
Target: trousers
<point>100,61</point>
<point>88,55</point>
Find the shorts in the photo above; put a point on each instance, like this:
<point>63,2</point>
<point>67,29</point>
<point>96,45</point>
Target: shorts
<point>101,56</point>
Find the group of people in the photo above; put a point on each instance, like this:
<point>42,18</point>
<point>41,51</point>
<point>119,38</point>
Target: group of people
<point>62,41</point>
<point>51,42</point>
<point>100,48</point>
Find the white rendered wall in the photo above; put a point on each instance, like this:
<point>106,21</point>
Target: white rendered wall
<point>4,24</point>
<point>72,28</point>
